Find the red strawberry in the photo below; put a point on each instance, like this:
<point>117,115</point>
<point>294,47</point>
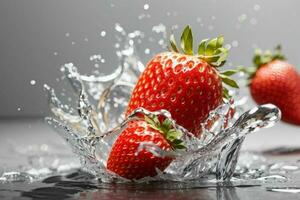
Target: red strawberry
<point>275,81</point>
<point>123,159</point>
<point>188,85</point>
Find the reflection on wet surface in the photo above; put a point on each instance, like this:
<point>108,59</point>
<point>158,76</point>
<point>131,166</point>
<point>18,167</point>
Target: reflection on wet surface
<point>81,185</point>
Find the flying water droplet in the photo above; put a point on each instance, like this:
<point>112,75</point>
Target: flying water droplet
<point>235,43</point>
<point>32,82</point>
<point>119,29</point>
<point>146,6</point>
<point>96,57</point>
<point>160,28</point>
<point>147,51</point>
<point>256,7</point>
<point>253,21</point>
<point>103,33</point>
<point>227,46</point>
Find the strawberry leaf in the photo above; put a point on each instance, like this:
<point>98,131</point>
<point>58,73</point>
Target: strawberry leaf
<point>226,93</point>
<point>211,46</point>
<point>229,81</point>
<point>267,56</point>
<point>202,47</point>
<point>173,43</point>
<point>187,41</point>
<point>220,41</point>
<point>263,57</point>
<point>229,72</point>
<point>171,134</point>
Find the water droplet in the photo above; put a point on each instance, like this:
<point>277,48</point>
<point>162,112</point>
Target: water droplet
<point>161,42</point>
<point>19,109</point>
<point>141,16</point>
<point>86,39</point>
<point>210,27</point>
<point>67,34</point>
<point>175,26</point>
<point>235,43</point>
<point>253,21</point>
<point>242,18</point>
<point>160,28</point>
<point>227,46</point>
<point>55,53</point>
<point>213,17</point>
<point>146,6</point>
<point>147,51</point>
<point>96,57</point>
<point>136,34</point>
<point>103,60</point>
<point>199,19</point>
<point>103,33</point>
<point>117,45</point>
<point>32,82</point>
<point>256,7</point>
<point>119,28</point>
<point>73,43</point>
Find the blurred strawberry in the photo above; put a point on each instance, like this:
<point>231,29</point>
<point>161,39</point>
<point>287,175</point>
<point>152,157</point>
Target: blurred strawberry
<point>188,85</point>
<point>275,81</point>
<point>124,160</point>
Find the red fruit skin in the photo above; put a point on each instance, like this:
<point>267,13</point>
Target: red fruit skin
<point>188,87</point>
<point>122,159</point>
<point>278,83</point>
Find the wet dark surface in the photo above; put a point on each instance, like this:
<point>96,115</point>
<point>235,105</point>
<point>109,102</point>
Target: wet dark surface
<point>80,185</point>
<point>39,147</point>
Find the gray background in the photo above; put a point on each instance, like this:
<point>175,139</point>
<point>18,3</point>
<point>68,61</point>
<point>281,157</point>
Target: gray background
<point>33,30</point>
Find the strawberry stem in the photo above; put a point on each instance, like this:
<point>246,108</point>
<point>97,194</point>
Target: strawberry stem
<point>261,58</point>
<point>211,51</point>
<point>171,134</point>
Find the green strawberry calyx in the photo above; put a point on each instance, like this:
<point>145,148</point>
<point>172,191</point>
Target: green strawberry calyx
<point>167,130</point>
<point>263,57</point>
<point>211,51</point>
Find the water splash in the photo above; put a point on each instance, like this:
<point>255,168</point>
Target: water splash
<point>102,100</point>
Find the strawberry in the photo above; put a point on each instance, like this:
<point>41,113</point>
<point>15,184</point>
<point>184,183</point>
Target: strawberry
<point>188,85</point>
<point>275,81</point>
<point>123,159</point>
